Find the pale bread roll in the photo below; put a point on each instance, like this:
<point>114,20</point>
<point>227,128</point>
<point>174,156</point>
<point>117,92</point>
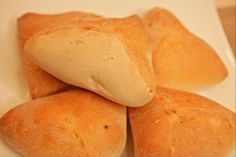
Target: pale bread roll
<point>74,123</point>
<point>181,124</point>
<point>40,82</point>
<point>110,57</point>
<point>180,59</point>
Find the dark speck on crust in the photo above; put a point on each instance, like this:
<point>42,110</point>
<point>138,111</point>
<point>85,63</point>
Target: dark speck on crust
<point>106,127</point>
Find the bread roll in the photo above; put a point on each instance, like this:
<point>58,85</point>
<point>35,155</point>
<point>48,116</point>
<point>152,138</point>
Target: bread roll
<point>40,82</point>
<point>74,123</point>
<point>180,124</point>
<point>180,59</point>
<point>110,57</point>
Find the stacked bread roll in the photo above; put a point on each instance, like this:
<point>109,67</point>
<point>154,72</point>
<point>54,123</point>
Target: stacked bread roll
<point>84,70</point>
<point>180,59</point>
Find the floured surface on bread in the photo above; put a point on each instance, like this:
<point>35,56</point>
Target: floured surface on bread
<point>180,59</point>
<point>40,82</point>
<point>70,124</point>
<point>110,57</point>
<point>180,124</point>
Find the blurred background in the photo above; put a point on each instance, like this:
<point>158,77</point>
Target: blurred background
<point>226,10</point>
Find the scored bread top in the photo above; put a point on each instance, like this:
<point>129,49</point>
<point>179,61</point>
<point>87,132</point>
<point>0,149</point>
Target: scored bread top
<point>111,57</point>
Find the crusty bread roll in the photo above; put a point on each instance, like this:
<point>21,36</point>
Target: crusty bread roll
<point>180,59</point>
<point>74,123</point>
<point>110,57</point>
<point>180,124</point>
<point>40,82</point>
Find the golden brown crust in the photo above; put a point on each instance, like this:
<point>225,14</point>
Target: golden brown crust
<point>180,124</point>
<point>32,23</point>
<point>70,124</point>
<point>40,82</point>
<point>180,59</point>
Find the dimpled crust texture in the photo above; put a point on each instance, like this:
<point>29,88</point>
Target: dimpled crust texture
<point>40,82</point>
<point>180,59</point>
<point>74,123</point>
<point>180,124</point>
<point>110,57</point>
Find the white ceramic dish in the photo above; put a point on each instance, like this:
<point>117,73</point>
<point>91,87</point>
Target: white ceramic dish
<point>200,17</point>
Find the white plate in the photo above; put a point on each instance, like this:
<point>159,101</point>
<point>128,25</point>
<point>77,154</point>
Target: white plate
<point>200,17</point>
